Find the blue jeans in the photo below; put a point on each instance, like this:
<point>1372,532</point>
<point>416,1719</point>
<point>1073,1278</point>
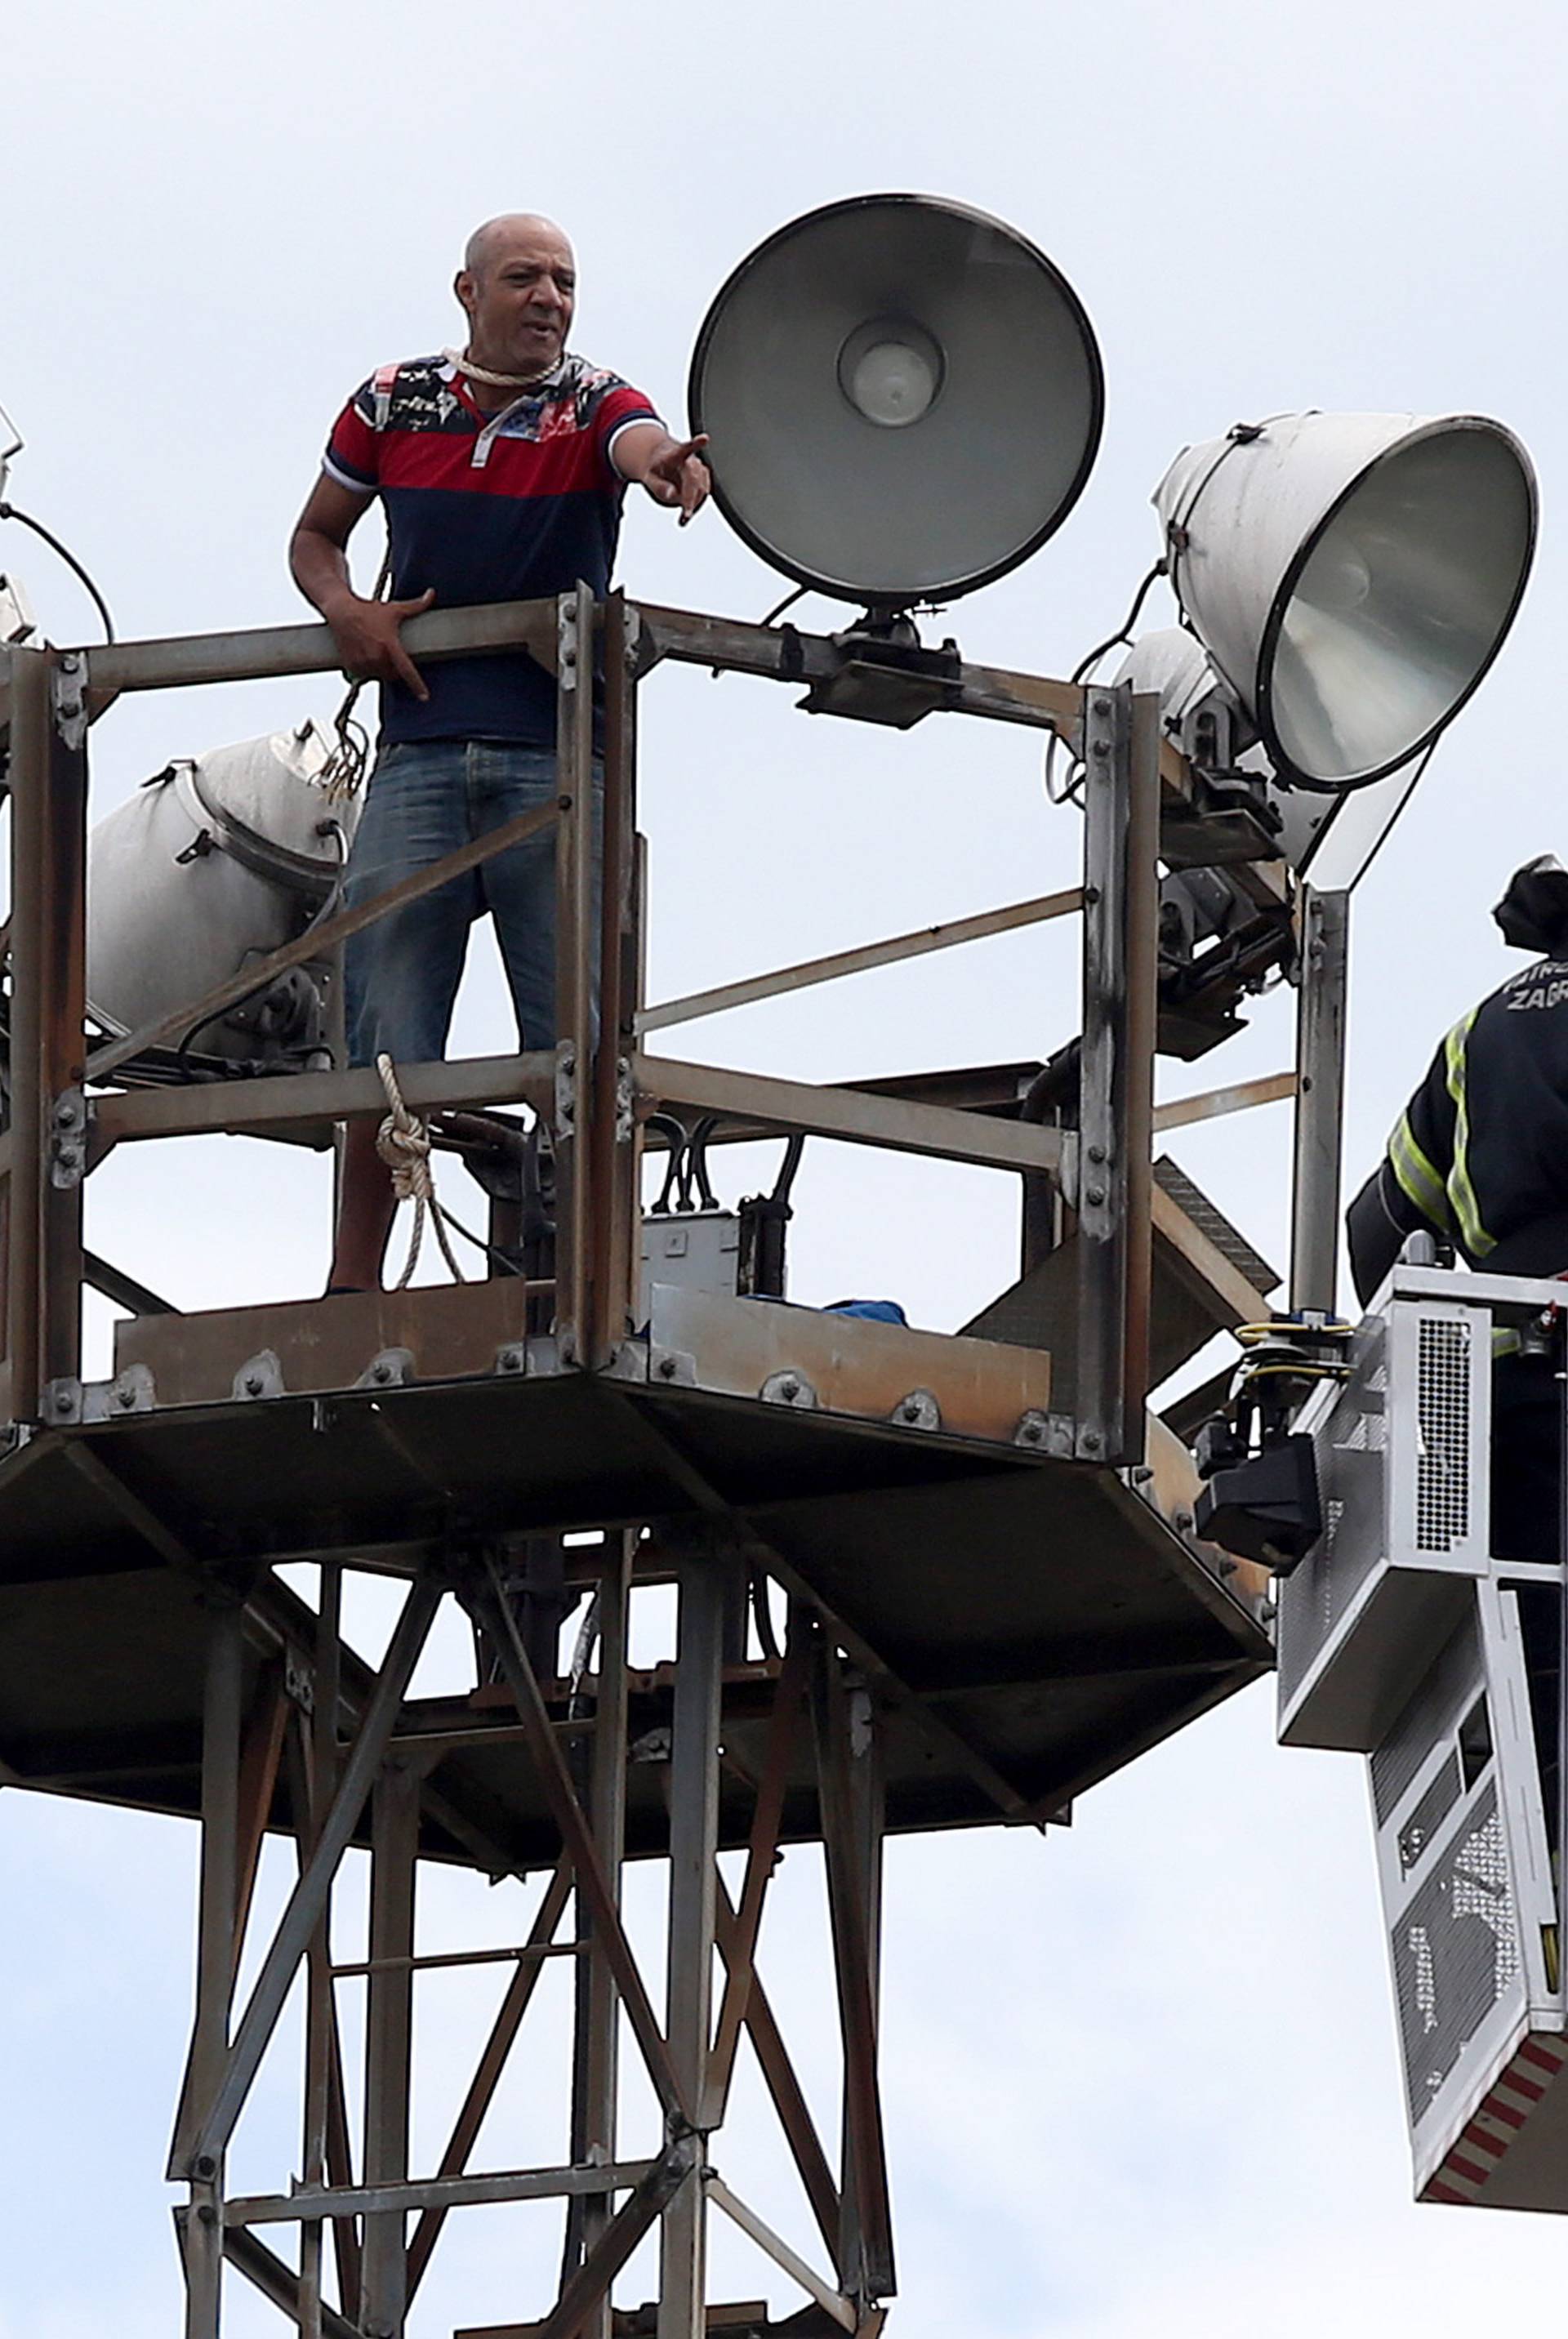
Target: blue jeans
<point>401,975</point>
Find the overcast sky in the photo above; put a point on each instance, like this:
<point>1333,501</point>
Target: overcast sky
<point>1141,2076</point>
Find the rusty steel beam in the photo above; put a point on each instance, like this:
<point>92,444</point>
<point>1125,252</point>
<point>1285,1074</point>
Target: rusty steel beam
<point>259,1765</point>
<point>858,1116</point>
<point>861,960</point>
<point>591,2283</point>
<point>779,2078</point>
<point>575,1004</point>
<point>178,661</point>
<point>761,1853</point>
<point>864,2252</point>
<point>310,1894</point>
<point>283,2287</point>
<point>281,1099</point>
<point>1273,1089</point>
<point>577,1837</point>
<point>398,2195</point>
<point>784,654</point>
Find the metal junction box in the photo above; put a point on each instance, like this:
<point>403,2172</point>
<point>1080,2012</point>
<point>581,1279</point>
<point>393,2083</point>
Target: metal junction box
<point>694,1250</point>
<point>1404,1638</point>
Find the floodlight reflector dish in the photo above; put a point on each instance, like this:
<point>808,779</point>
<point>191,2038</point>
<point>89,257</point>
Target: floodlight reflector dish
<point>1352,577</point>
<point>902,399</point>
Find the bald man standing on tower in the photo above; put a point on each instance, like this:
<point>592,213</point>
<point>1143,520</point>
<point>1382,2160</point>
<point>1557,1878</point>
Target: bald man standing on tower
<point>501,469</point>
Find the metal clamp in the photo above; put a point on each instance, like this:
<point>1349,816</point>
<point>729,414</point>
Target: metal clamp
<point>625,1100</point>
<point>392,1368</point>
<point>68,688</point>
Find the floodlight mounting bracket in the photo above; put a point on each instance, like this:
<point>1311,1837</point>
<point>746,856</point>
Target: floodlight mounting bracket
<point>1228,818</point>
<point>885,674</point>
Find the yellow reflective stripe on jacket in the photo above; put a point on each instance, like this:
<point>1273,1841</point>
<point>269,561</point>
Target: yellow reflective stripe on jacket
<point>1461,1192</point>
<point>1418,1180</point>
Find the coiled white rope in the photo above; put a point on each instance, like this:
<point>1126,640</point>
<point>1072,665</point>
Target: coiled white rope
<point>403,1143</point>
<point>465,364</point>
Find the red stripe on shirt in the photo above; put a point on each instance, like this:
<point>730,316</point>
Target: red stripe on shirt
<point>566,464</point>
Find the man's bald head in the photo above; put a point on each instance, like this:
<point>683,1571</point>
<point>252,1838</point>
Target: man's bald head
<point>488,244</point>
<point>517,285</point>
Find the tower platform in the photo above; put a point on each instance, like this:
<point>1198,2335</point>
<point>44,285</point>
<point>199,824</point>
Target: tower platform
<point>1027,1622</point>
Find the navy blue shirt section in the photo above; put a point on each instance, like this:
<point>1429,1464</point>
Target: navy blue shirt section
<point>511,507</point>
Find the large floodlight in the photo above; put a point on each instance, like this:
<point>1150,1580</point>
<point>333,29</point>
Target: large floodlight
<point>902,397</point>
<point>1351,576</point>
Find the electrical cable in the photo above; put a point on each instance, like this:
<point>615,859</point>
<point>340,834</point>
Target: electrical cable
<point>1124,631</point>
<point>343,773</point>
<point>787,603</point>
<point>1070,791</point>
<point>14,511</point>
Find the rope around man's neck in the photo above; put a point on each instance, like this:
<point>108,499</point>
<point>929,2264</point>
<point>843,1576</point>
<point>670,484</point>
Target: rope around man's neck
<point>465,364</point>
<point>403,1143</point>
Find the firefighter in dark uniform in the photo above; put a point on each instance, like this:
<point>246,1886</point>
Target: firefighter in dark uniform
<point>1479,1160</point>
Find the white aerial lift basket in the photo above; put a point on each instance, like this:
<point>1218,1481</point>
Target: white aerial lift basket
<point>1402,1638</point>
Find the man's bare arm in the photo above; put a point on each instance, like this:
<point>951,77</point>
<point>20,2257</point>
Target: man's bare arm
<point>671,469</point>
<point>365,632</point>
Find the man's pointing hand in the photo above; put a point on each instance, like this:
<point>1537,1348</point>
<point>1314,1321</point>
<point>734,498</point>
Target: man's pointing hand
<point>678,477</point>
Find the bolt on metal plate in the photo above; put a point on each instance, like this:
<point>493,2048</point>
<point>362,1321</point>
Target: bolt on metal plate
<point>788,1387</point>
<point>261,1375</point>
<point>918,1410</point>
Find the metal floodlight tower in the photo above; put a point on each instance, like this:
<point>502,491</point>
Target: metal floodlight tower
<point>922,1579</point>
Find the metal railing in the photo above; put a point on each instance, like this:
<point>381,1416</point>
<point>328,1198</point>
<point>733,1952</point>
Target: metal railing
<point>597,1087</point>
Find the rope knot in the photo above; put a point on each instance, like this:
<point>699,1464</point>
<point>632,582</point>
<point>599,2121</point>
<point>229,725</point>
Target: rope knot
<point>403,1144</point>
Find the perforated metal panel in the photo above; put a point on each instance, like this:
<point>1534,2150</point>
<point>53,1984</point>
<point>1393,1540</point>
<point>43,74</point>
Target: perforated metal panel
<point>1455,1953</point>
<point>1432,1713</point>
<point>1350,1431</point>
<point>1444,1432</point>
<point>1416,1836</point>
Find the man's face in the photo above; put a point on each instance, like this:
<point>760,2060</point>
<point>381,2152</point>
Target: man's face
<point>520,300</point>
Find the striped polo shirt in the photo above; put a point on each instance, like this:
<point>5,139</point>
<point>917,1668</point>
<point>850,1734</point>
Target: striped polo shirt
<point>507,507</point>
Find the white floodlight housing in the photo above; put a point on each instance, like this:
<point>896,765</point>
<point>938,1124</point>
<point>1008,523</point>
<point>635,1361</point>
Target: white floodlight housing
<point>1351,576</point>
<point>902,399</point>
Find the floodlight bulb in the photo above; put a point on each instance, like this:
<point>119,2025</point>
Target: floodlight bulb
<point>890,371</point>
<point>892,384</point>
<point>1338,580</point>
